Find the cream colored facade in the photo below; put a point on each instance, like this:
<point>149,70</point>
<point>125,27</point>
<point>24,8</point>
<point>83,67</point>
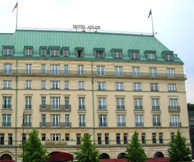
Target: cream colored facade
<point>91,94</point>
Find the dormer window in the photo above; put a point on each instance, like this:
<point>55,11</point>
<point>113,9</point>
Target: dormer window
<point>65,52</point>
<point>28,51</point>
<point>43,52</point>
<point>80,53</point>
<point>99,54</point>
<point>117,55</point>
<point>169,57</point>
<point>134,55</point>
<point>151,56</point>
<point>54,52</point>
<point>7,51</point>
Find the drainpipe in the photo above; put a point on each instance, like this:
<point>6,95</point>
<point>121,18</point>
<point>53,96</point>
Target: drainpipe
<point>94,134</point>
<point>16,105</point>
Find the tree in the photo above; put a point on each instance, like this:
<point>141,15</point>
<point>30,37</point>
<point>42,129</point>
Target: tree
<point>178,151</point>
<point>88,152</point>
<point>135,153</point>
<point>33,149</point>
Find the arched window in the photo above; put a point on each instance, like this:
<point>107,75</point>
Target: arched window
<point>104,156</point>
<point>6,157</point>
<point>121,156</point>
<point>158,155</point>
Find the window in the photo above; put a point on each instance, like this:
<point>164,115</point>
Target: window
<point>2,138</point>
<point>10,139</point>
<point>101,103</point>
<point>80,69</point>
<point>151,56</point>
<point>28,102</point>
<point>54,52</point>
<point>101,70</point>
<point>156,121</point>
<point>28,51</point>
<point>173,104</point>
<point>135,56</point>
<point>153,72</point>
<point>7,68</point>
<point>172,87</point>
<point>43,69</point>
<point>67,123</point>
<point>137,86</point>
<point>7,103</point>
<point>125,138</point>
<point>101,85</point>
<point>43,102</point>
<point>119,86</point>
<point>106,138</point>
<point>43,52</point>
<point>55,103</point>
<point>66,69</point>
<point>55,120</point>
<point>55,69</point>
<point>138,103</point>
<point>170,73</point>
<point>82,122</point>
<point>118,139</point>
<point>169,57</point>
<point>120,103</point>
<point>99,135</point>
<point>175,121</point>
<point>55,136</point>
<point>43,136</point>
<point>80,53</point>
<point>172,135</point>
<point>7,51</point>
<point>66,85</point>
<point>65,52</point>
<point>28,68</point>
<point>67,137</point>
<point>139,120</point>
<point>28,120</point>
<point>43,84</point>
<point>23,136</point>
<point>135,71</point>
<point>67,106</point>
<point>99,54</point>
<point>118,70</point>
<point>120,120</point>
<point>161,138</point>
<point>81,103</point>
<point>78,136</point>
<point>102,120</point>
<point>117,55</point>
<point>6,120</point>
<point>7,84</point>
<point>43,120</point>
<point>28,84</point>
<point>54,84</point>
<point>154,138</point>
<point>155,104</point>
<point>154,86</point>
<point>143,140</point>
<point>81,85</point>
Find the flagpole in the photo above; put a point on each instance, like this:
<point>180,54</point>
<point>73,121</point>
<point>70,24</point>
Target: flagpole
<point>17,16</point>
<point>152,24</point>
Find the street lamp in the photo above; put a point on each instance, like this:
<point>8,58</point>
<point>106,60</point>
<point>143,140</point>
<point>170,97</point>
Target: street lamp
<point>23,124</point>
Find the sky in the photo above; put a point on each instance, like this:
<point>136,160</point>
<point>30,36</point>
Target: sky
<point>173,21</point>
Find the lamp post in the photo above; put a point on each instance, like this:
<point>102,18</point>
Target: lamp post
<point>23,124</point>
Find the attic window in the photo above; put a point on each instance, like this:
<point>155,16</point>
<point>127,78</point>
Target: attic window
<point>80,53</point>
<point>169,57</point>
<point>28,51</point>
<point>99,54</point>
<point>65,52</point>
<point>117,55</point>
<point>54,52</point>
<point>151,56</point>
<point>7,51</point>
<point>43,52</point>
<point>134,55</point>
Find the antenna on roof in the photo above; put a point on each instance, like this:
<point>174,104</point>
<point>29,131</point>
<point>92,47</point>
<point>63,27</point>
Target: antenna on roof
<point>150,14</point>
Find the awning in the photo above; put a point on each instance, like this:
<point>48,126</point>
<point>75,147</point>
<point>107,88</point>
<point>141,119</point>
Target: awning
<point>113,160</point>
<point>61,156</point>
<point>123,160</point>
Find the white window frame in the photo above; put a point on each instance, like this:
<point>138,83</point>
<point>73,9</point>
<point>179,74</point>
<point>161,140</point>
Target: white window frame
<point>101,85</point>
<point>6,120</point>
<point>55,69</point>
<point>118,70</point>
<point>55,84</point>
<point>82,120</point>
<point>81,85</point>
<point>28,84</point>
<point>170,72</point>
<point>7,68</point>
<point>55,136</point>
<point>102,103</point>
<point>54,52</point>
<point>139,121</point>
<point>121,121</point>
<point>100,70</point>
<point>7,84</point>
<point>172,87</point>
<point>55,103</point>
<point>117,55</point>
<point>55,120</point>
<point>43,84</point>
<point>135,71</point>
<point>66,85</point>
<point>28,68</point>
<point>80,69</point>
<point>136,86</point>
<point>120,102</point>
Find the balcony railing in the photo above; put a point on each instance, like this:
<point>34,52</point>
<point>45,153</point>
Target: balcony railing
<point>81,107</point>
<point>156,124</point>
<point>7,106</point>
<point>58,108</point>
<point>121,124</point>
<point>55,125</point>
<point>28,106</point>
<point>139,124</point>
<point>175,124</point>
<point>174,108</point>
<point>138,107</point>
<point>102,107</point>
<point>6,124</point>
<point>120,107</point>
<point>155,108</point>
<point>91,74</point>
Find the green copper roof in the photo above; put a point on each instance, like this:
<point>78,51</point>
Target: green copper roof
<point>87,41</point>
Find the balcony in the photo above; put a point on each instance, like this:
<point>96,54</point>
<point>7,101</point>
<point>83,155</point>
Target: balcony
<point>57,108</point>
<point>120,107</point>
<point>138,108</point>
<point>155,108</point>
<point>6,106</point>
<point>174,108</point>
<point>28,106</point>
<point>55,125</point>
<point>156,124</point>
<point>6,124</point>
<point>175,124</point>
<point>22,72</point>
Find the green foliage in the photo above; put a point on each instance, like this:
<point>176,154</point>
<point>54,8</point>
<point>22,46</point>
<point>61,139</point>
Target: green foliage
<point>88,152</point>
<point>178,151</point>
<point>33,149</point>
<point>134,152</point>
